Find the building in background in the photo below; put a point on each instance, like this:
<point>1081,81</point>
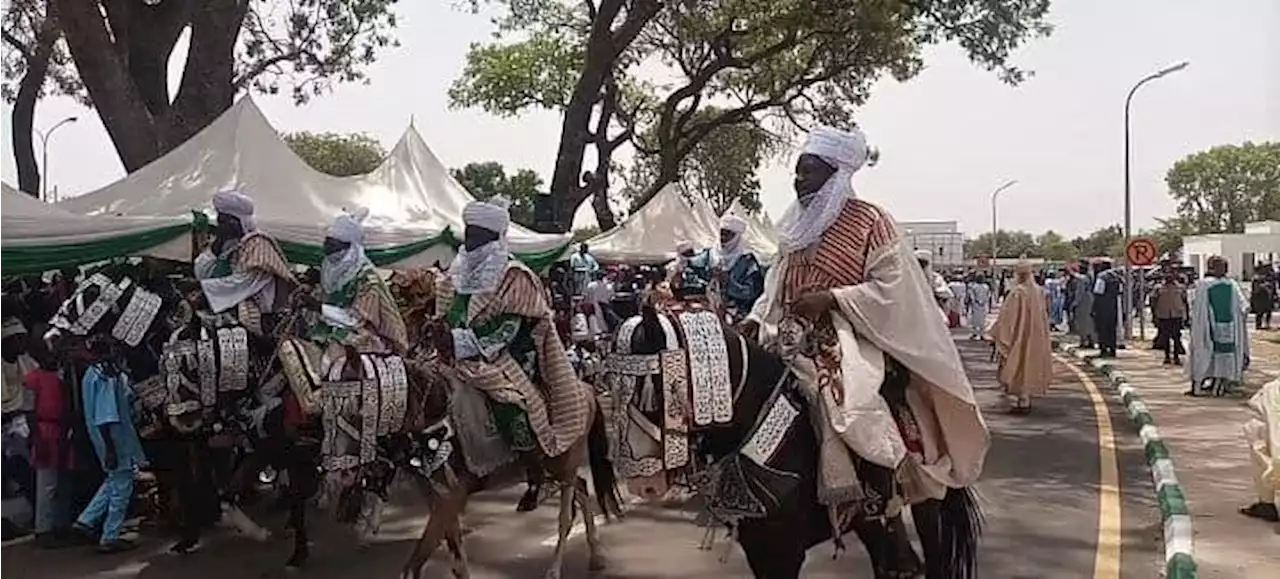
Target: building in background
<point>1259,244</point>
<point>942,238</point>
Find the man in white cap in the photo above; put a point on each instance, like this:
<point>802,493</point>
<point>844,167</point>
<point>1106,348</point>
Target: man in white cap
<point>243,268</point>
<point>741,277</point>
<point>357,308</point>
<point>503,337</point>
<point>851,309</point>
<point>941,292</point>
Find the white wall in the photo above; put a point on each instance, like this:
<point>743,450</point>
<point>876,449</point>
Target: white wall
<point>1242,251</point>
<point>941,238</point>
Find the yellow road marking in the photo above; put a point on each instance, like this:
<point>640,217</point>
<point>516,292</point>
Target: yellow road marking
<point>1106,563</point>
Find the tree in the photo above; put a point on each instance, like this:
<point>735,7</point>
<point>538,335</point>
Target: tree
<point>337,154</point>
<point>1168,234</point>
<point>1008,244</point>
<point>1053,247</point>
<point>777,64</point>
<point>1107,241</point>
<point>121,53</point>
<point>34,50</point>
<point>488,179</point>
<point>1223,188</point>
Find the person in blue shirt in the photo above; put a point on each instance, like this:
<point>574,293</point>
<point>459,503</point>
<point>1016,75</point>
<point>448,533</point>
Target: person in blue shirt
<point>692,274</point>
<point>107,401</point>
<point>742,277</point>
<point>584,268</point>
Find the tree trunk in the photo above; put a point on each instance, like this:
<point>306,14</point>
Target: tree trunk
<point>24,109</point>
<point>206,90</point>
<point>119,103</point>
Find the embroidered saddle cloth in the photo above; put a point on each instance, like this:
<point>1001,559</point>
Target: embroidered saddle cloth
<point>355,412</point>
<point>659,399</point>
<point>197,371</point>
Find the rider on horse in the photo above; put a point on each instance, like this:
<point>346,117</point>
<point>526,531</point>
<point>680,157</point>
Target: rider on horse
<point>243,268</point>
<point>504,340</point>
<point>856,320</point>
<point>741,277</point>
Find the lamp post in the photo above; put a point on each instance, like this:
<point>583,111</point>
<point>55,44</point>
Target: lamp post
<point>44,155</point>
<point>1127,310</point>
<point>994,244</point>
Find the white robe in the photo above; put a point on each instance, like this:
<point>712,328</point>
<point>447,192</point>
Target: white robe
<point>226,292</point>
<point>1204,363</point>
<point>1262,433</point>
<point>599,293</point>
<point>894,312</point>
<point>977,304</point>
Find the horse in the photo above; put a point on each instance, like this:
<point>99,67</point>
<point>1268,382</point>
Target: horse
<point>762,477</point>
<point>458,413</point>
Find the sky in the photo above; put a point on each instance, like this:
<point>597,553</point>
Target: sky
<point>947,137</point>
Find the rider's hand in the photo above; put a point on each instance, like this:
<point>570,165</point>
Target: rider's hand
<point>814,304</point>
<point>750,329</point>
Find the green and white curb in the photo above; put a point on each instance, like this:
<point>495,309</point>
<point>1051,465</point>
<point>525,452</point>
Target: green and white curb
<point>1179,551</point>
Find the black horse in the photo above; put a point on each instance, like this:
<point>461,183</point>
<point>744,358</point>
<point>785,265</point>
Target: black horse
<point>777,537</point>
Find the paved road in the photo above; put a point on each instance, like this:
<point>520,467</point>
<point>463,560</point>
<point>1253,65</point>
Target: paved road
<point>1042,491</point>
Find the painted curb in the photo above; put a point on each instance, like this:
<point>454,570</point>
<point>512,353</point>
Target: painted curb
<point>1179,553</point>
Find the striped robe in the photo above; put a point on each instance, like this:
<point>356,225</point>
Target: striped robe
<point>559,407</point>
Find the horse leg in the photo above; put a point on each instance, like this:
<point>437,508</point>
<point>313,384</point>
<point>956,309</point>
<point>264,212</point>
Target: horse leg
<point>566,523</point>
<point>303,482</point>
<point>453,540</point>
<point>595,559</point>
<point>535,477</point>
<point>774,548</point>
<point>444,519</point>
<point>889,547</point>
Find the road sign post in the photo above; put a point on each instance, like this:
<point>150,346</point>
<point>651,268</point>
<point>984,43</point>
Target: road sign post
<point>1140,252</point>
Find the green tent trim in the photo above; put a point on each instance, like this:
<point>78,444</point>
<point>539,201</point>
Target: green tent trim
<point>41,258</point>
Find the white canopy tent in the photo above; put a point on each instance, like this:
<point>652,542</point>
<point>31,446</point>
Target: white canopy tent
<point>415,206</point>
<point>36,236</point>
<point>761,238</point>
<point>650,234</point>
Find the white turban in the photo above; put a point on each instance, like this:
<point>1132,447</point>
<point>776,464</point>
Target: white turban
<point>13,327</point>
<point>924,255</point>
<point>238,205</point>
<point>480,270</point>
<point>733,223</point>
<point>338,269</point>
<point>843,149</point>
<point>349,226</point>
<point>804,223</point>
<point>492,214</point>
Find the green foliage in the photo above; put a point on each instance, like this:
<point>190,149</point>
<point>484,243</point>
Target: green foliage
<point>1168,234</point>
<point>337,154</point>
<point>1223,188</point>
<point>1053,247</point>
<point>585,233</point>
<point>24,24</point>
<point>1108,241</point>
<point>485,180</point>
<point>312,45</point>
<point>1008,244</point>
<point>737,67</point>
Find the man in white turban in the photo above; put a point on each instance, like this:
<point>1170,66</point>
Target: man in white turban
<point>941,291</point>
<point>243,268</point>
<point>503,338</point>
<point>847,306</point>
<point>741,277</point>
<point>356,306</point>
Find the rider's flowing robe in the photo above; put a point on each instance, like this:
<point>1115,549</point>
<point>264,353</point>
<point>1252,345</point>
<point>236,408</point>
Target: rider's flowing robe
<point>1262,433</point>
<point>509,349</point>
<point>885,309</point>
<point>363,314</point>
<point>251,272</point>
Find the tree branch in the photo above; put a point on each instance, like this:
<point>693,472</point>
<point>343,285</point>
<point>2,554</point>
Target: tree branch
<point>17,45</point>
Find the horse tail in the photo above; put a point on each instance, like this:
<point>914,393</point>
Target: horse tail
<point>603,477</point>
<point>960,524</point>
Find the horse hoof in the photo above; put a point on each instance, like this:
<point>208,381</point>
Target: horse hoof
<point>553,573</point>
<point>596,563</point>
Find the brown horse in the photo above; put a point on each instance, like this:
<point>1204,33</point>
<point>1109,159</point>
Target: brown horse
<point>452,484</point>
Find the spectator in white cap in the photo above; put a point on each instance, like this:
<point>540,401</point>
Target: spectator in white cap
<point>941,291</point>
<point>243,268</point>
<point>502,329</point>
<point>742,278</point>
<point>357,308</point>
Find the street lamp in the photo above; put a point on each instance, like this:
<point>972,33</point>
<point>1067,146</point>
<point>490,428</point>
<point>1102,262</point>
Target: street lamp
<point>994,244</point>
<point>1127,312</point>
<point>44,155</point>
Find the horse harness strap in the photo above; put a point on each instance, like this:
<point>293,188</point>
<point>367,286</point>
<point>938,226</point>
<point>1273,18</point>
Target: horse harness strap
<point>362,410</point>
<point>219,367</point>
<point>137,317</point>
